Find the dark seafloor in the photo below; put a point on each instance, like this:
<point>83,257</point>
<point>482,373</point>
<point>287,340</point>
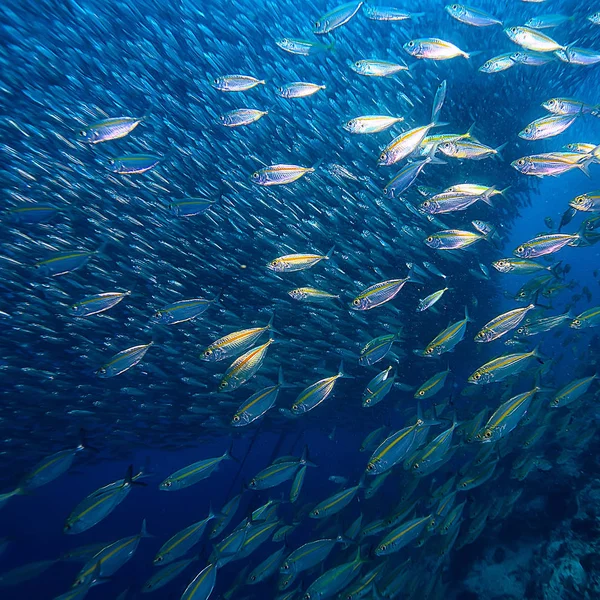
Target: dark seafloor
<point>515,518</point>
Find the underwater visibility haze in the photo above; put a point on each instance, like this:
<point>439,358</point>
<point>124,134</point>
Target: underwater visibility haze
<point>299,300</point>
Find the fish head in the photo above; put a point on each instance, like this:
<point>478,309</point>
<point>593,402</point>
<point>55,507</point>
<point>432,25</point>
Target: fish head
<point>87,135</point>
<point>297,294</point>
<point>258,177</point>
<point>576,324</point>
<point>449,148</point>
<point>352,126</point>
<point>522,251</point>
<point>167,484</point>
<point>380,550</point>
<point>360,303</point>
<point>479,376</point>
<point>297,409</point>
<point>114,164</point>
<point>483,335</point>
<point>283,43</point>
<point>253,485</point>
<point>277,265</point>
<point>219,83</point>
<point>102,372</point>
<point>240,419</point>
<point>158,559</point>
<point>223,386</point>
<point>161,316</point>
<point>321,26</point>
<point>582,202</point>
<point>314,514</point>
<point>513,33</point>
<point>455,10</point>
<point>553,105</point>
<point>502,265</point>
<point>414,48</point>
<point>523,165</point>
<point>384,158</point>
<point>529,133</point>
<point>433,241</point>
<point>212,354</point>
<point>367,401</point>
<point>486,436</point>
<point>428,207</point>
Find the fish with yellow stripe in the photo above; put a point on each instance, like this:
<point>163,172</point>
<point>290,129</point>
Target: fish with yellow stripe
<point>447,340</point>
<point>502,324</point>
<point>502,367</point>
<point>258,404</point>
<point>245,367</point>
<point>297,262</point>
<point>316,393</point>
<point>234,343</point>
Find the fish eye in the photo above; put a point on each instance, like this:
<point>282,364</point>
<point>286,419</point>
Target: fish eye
<point>208,352</point>
<point>487,434</point>
<point>285,566</point>
<point>253,578</point>
<point>520,249</point>
<point>576,322</point>
<point>528,129</point>
<point>416,466</point>
<point>421,392</point>
<point>357,63</point>
<point>513,30</point>
<point>455,7</point>
<point>222,385</point>
<point>370,467</point>
<point>521,161</point>
<point>158,559</point>
<point>522,294</point>
<point>463,484</point>
<point>355,302</point>
<point>428,350</point>
<point>411,44</point>
<point>521,330</point>
<point>256,174</point>
<point>315,512</point>
<point>430,239</point>
<point>111,161</point>
<point>578,200</point>
<point>83,133</point>
<point>236,418</point>
<point>167,484</point>
<point>101,371</point>
<point>368,401</point>
<point>215,81</point>
<point>477,376</point>
<point>285,41</point>
<point>158,314</point>
<point>294,407</point>
<point>382,548</point>
<point>382,156</point>
<point>253,483</point>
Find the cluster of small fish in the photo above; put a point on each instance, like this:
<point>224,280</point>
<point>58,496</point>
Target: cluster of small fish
<point>155,250</point>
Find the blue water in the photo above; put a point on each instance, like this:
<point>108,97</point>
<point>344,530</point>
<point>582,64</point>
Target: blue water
<point>67,65</point>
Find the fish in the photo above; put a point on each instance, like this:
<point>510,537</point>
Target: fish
<point>310,294</point>
<point>545,244</point>
<point>378,388</point>
<point>572,391</point>
<point>588,202</point>
<point>244,368</point>
<point>299,89</point>
<point>241,116</point>
<point>434,49</point>
<point>62,263</point>
<point>236,83</point>
<point>377,348</point>
<point>133,164</point>
<point>97,303</point>
<point>388,13</point>
<point>547,127</point>
<point>371,124</point>
<point>506,417</point>
<point>258,404</point>
<point>298,262</point>
<point>190,206</point>
<point>588,318</point>
<point>303,47</point>
<point>551,164</point>
<point>279,174</point>
<point>378,294</point>
<point>182,542</point>
<point>233,343</point>
<point>279,472</point>
<point>201,587</point>
<point>471,16</point>
<point>123,361</point>
<point>502,367</point>
<point>532,39</point>
<point>502,324</point>
<point>433,385</point>
<point>335,503</point>
<point>318,392</point>
<point>372,67</point>
<point>182,311</point>
<point>453,239</point>
<point>336,18</point>
<point>499,63</point>
<point>402,536</point>
<point>404,145</point>
<point>447,340</point>
<point>108,129</point>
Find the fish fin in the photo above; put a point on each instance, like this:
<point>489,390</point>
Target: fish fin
<point>585,164</point>
<point>305,459</point>
<point>498,151</point>
<point>330,252</point>
<point>317,164</point>
<point>342,373</point>
<point>83,442</point>
<point>229,454</point>
<point>467,317</point>
<point>555,269</point>
<point>503,192</point>
<point>487,196</point>
<point>144,532</point>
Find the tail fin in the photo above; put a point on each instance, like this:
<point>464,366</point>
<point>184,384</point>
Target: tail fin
<point>144,532</point>
<point>498,150</point>
<point>341,372</point>
<point>83,442</point>
<point>330,253</point>
<point>305,459</point>
<point>229,454</point>
<point>584,164</point>
<point>487,195</point>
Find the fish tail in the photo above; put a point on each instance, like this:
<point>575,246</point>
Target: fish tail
<point>83,442</point>
<point>487,196</point>
<point>498,151</point>
<point>144,532</point>
<point>584,165</point>
<point>330,252</point>
<point>503,192</point>
<point>305,458</point>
